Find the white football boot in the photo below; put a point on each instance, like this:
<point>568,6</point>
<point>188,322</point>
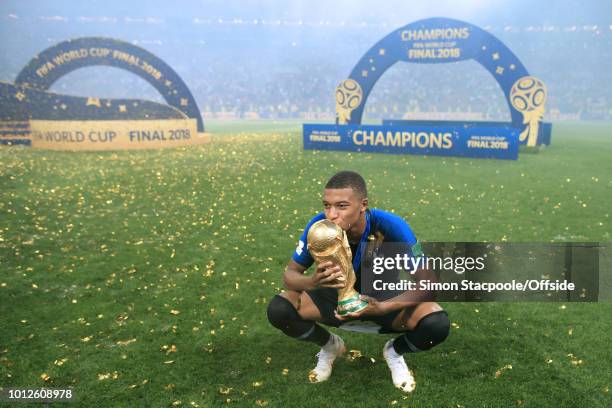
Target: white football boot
<point>329,352</point>
<point>401,375</point>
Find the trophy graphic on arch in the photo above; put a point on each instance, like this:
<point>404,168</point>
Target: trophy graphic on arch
<point>348,97</point>
<point>528,96</point>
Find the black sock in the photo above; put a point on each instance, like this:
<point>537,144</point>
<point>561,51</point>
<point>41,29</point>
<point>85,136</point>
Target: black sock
<point>317,335</point>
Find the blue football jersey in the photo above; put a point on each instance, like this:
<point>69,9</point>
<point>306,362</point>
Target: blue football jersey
<point>392,227</point>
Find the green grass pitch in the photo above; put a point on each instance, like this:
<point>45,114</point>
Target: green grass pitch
<point>141,278</point>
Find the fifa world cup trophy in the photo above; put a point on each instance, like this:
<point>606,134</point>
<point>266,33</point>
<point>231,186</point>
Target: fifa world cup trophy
<point>328,242</point>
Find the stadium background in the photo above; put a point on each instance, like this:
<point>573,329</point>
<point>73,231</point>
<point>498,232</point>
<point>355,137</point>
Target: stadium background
<point>285,62</point>
<point>141,278</point>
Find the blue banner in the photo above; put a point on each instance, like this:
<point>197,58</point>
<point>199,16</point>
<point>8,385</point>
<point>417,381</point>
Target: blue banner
<point>494,142</point>
<point>543,138</point>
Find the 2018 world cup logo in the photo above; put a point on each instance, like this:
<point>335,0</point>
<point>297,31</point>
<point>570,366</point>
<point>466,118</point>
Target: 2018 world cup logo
<point>348,97</point>
<point>528,96</point>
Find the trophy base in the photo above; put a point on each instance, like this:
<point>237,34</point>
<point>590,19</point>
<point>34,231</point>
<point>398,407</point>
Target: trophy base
<point>352,304</point>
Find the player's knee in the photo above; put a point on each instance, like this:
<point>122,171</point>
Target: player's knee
<point>281,312</point>
<point>283,316</point>
<point>437,325</point>
<point>431,330</point>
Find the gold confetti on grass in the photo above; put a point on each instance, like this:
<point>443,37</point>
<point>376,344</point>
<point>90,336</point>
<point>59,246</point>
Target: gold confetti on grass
<point>354,355</point>
<point>225,390</point>
<point>285,371</point>
<point>60,362</point>
<point>169,348</point>
<point>455,325</point>
<point>121,319</point>
<point>125,342</point>
<point>499,372</point>
<point>227,207</point>
<point>261,403</point>
<point>257,384</point>
<point>105,376</point>
<point>45,377</point>
<point>175,312</point>
<point>268,360</point>
<point>575,361</point>
<point>86,339</point>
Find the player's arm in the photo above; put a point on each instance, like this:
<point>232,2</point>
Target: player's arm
<point>325,276</point>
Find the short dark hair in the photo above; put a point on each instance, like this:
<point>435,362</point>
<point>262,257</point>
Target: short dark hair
<point>348,179</point>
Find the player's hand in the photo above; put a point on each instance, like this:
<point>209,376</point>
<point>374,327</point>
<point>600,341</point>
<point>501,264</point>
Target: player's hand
<point>328,275</point>
<point>374,308</point>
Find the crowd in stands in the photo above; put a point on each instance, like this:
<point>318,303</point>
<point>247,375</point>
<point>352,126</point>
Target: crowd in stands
<point>284,71</point>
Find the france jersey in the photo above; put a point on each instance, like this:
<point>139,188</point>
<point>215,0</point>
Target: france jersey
<point>392,227</point>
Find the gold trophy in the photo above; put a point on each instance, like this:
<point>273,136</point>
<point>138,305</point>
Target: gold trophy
<point>328,242</point>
